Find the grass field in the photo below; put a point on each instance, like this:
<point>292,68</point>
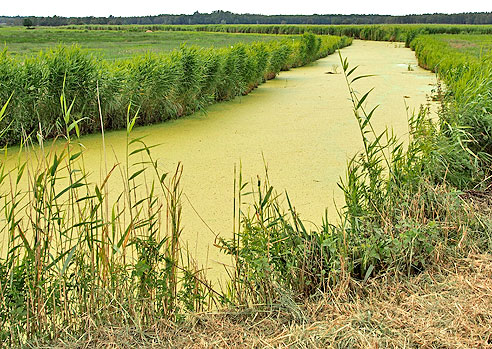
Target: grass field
<point>446,53</point>
<point>114,44</point>
<point>471,45</point>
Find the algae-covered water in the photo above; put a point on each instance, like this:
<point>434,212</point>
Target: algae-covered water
<point>301,123</point>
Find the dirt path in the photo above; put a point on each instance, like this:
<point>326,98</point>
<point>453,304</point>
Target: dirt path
<point>301,122</point>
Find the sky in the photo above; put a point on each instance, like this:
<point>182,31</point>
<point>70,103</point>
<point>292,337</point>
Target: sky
<point>104,8</point>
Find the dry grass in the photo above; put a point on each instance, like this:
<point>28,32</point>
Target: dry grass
<point>449,307</point>
<point>462,44</point>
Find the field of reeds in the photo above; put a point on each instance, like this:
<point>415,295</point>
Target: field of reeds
<point>77,263</point>
<point>161,86</point>
<point>381,32</point>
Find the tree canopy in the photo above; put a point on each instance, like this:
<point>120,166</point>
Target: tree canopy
<point>226,17</point>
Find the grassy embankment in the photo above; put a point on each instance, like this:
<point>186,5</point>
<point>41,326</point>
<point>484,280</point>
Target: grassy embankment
<point>71,257</point>
<point>161,86</point>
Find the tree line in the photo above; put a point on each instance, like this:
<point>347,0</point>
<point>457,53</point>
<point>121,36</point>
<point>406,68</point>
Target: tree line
<point>226,17</point>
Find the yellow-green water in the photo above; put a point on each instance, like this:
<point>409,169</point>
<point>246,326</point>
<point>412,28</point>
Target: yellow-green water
<point>301,123</point>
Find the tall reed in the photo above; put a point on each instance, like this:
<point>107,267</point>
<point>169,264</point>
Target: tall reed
<point>77,257</point>
<point>465,151</point>
<point>160,86</point>
<point>78,252</point>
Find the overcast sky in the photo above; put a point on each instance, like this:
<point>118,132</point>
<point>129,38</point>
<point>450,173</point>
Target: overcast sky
<point>105,8</point>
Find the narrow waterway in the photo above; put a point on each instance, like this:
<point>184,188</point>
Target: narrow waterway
<point>301,123</point>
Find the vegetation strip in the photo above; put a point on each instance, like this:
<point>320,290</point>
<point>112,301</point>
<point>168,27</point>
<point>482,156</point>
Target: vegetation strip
<point>381,32</point>
<point>159,86</point>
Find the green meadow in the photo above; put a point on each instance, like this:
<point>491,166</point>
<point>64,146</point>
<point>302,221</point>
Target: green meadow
<point>112,44</point>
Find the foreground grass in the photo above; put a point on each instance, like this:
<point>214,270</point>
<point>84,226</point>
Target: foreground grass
<point>446,307</point>
<point>111,45</point>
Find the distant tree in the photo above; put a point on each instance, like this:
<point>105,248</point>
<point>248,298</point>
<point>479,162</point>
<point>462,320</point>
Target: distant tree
<point>223,17</point>
<point>27,22</point>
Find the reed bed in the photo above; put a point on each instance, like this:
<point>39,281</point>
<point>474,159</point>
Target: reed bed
<point>382,32</point>
<point>160,86</point>
<point>466,118</point>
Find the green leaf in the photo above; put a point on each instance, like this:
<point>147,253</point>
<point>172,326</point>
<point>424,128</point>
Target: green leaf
<point>68,260</point>
<point>123,237</point>
<point>56,162</point>
<point>75,125</point>
<point>132,123</point>
<point>352,70</point>
<point>136,151</point>
<point>267,196</point>
<point>56,260</point>
<point>345,64</point>
<point>2,111</point>
<point>68,112</point>
<point>368,272</point>
<point>75,156</point>
<point>163,177</point>
<point>369,116</point>
<point>361,77</point>
<point>98,193</point>
<point>26,243</point>
<point>135,140</point>
<point>363,99</point>
<point>20,172</point>
<point>75,185</point>
<point>136,174</point>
